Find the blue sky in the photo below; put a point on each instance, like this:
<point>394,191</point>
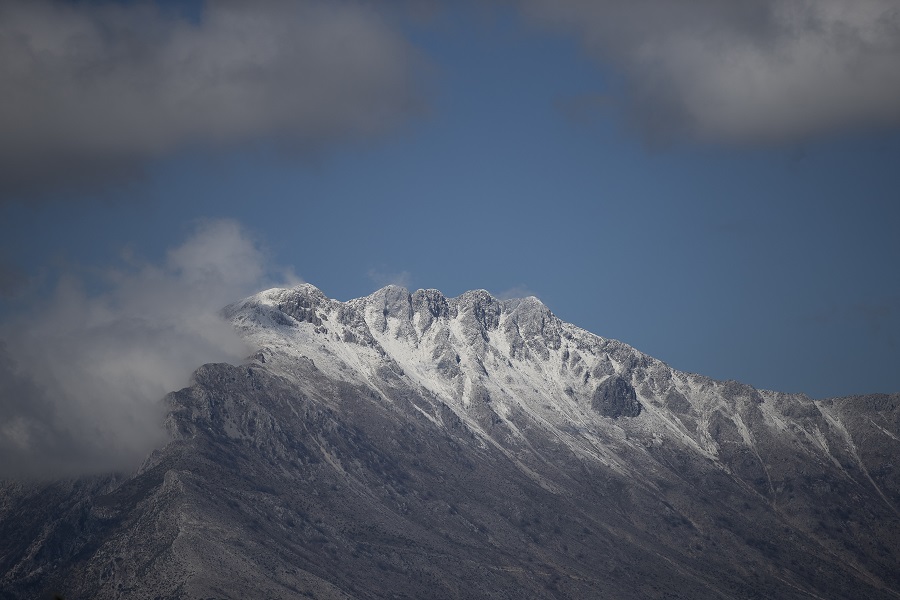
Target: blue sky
<point>730,210</point>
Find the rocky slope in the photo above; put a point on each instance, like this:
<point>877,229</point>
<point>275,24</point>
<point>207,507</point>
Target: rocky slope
<point>413,445</point>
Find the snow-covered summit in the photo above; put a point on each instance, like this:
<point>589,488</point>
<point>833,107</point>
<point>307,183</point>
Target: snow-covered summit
<point>407,438</point>
<point>492,362</point>
<point>484,336</point>
<point>511,369</point>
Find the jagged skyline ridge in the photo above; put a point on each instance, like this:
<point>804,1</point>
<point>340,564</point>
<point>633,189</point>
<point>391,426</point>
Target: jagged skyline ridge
<point>414,443</point>
<point>509,158</point>
<point>500,360</point>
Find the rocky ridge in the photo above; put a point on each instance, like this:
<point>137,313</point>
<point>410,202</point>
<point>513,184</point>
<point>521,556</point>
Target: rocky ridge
<point>414,445</point>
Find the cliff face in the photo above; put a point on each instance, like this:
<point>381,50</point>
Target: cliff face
<point>413,445</point>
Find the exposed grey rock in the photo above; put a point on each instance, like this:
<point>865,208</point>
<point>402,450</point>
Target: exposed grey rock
<point>430,305</point>
<point>480,311</point>
<point>615,398</point>
<point>423,447</point>
<point>302,305</point>
<point>677,403</point>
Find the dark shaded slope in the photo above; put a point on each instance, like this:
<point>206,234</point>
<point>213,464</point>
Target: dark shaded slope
<point>277,490</point>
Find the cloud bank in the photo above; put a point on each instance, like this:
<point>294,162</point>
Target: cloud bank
<point>83,372</point>
<point>755,71</point>
<point>91,91</point>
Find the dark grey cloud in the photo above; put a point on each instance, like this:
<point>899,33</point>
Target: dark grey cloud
<point>83,371</point>
<point>91,91</point>
<point>754,71</point>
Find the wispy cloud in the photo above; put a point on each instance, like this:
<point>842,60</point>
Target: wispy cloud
<point>518,291</point>
<point>754,71</point>
<point>82,373</point>
<point>91,91</point>
<point>382,278</point>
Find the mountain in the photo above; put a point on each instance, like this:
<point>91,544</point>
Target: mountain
<point>410,445</point>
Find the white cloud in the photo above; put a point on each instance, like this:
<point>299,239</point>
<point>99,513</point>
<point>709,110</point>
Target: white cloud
<point>751,71</point>
<point>83,372</point>
<point>93,90</point>
<point>518,291</point>
<point>383,278</point>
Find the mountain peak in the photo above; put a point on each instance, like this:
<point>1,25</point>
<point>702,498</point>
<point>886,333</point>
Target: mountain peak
<point>512,377</point>
<point>389,290</point>
<point>410,444</point>
<point>460,350</point>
